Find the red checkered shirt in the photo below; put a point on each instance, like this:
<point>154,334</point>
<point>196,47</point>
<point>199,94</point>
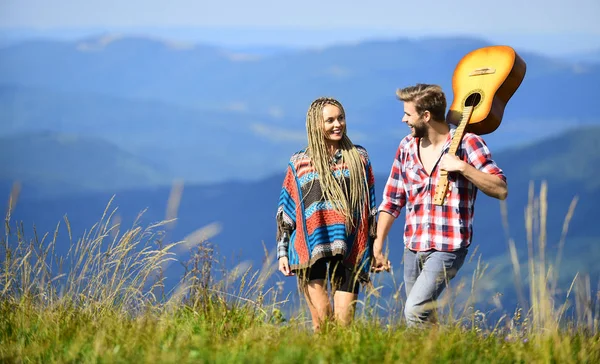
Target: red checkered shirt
<point>444,228</point>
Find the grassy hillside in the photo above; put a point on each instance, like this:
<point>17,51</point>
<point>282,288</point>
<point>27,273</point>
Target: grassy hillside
<point>111,306</point>
<point>572,156</point>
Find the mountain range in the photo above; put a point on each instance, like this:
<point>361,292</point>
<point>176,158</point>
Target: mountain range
<point>206,114</point>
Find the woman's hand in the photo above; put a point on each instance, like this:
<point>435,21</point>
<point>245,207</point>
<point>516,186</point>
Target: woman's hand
<point>284,267</point>
<point>380,263</point>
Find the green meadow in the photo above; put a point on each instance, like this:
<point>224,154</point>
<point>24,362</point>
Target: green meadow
<point>105,301</point>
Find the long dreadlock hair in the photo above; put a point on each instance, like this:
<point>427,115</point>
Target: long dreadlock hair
<point>333,190</point>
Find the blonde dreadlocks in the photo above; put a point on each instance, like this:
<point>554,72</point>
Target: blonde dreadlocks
<point>333,190</point>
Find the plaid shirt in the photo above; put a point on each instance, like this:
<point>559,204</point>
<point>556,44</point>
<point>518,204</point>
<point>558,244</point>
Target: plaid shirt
<point>444,228</point>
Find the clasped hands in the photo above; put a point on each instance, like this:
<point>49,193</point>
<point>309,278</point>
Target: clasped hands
<point>380,263</point>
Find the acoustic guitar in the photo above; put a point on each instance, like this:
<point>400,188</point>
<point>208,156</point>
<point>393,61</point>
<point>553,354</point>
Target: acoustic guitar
<point>483,82</point>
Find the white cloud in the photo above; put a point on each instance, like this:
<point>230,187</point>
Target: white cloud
<point>277,134</point>
<point>358,137</point>
<point>243,57</point>
<point>578,68</point>
<point>339,72</point>
<point>237,106</point>
<point>98,44</point>
<point>275,112</point>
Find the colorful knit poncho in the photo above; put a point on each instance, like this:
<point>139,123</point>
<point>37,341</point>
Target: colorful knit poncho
<point>309,229</point>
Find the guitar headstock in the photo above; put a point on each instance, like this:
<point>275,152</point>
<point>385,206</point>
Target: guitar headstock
<point>441,190</point>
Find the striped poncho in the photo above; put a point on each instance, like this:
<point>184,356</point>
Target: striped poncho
<point>309,229</point>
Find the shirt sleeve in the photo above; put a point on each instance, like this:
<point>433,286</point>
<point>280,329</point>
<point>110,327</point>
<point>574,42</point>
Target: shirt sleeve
<point>283,245</point>
<point>394,195</point>
<point>286,214</point>
<point>479,156</point>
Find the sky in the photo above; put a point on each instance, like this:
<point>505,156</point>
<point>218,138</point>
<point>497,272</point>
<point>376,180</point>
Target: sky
<point>545,24</point>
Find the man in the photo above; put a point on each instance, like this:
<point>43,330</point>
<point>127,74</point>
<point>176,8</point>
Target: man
<point>436,238</point>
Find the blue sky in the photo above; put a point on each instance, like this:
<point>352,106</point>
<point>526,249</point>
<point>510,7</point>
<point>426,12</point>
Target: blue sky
<point>546,24</point>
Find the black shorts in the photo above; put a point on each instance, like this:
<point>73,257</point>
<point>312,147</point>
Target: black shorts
<point>342,278</point>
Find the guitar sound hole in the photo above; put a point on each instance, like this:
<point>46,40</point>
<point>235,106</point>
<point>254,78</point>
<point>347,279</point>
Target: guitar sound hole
<point>473,99</point>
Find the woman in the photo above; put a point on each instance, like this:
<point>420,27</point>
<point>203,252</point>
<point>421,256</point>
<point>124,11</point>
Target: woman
<point>326,215</point>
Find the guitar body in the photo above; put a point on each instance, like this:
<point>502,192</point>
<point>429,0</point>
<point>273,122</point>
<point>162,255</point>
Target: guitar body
<point>483,82</point>
<point>486,78</point>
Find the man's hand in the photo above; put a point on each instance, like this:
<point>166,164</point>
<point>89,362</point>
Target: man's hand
<point>380,263</point>
<point>452,163</point>
<point>284,267</point>
<point>489,184</point>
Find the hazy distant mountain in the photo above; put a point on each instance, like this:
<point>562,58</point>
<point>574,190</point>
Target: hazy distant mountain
<point>361,74</point>
<point>54,163</point>
<point>206,113</point>
<point>190,144</point>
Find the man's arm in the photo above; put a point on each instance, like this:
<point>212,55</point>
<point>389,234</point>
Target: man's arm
<point>394,199</point>
<point>478,167</point>
<point>489,184</point>
<point>384,224</point>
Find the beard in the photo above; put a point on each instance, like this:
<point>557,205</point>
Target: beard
<point>419,130</point>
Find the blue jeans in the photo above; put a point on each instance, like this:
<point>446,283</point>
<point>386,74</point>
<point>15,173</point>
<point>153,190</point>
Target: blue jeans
<point>426,274</point>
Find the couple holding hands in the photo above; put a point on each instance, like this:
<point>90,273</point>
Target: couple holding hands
<point>330,230</point>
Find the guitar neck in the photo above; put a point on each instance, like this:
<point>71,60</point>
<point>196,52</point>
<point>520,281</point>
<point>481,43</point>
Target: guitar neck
<point>442,185</point>
<point>460,130</point>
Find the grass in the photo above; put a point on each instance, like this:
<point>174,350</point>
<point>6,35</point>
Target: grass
<point>185,336</point>
<point>106,301</point>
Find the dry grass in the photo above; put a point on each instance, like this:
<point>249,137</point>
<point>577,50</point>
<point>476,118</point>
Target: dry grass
<point>106,300</point>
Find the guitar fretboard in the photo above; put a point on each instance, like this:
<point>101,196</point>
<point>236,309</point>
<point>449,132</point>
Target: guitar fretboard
<point>442,185</point>
<point>460,130</point>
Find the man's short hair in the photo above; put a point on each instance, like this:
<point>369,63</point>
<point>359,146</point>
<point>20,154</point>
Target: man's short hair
<point>425,97</point>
